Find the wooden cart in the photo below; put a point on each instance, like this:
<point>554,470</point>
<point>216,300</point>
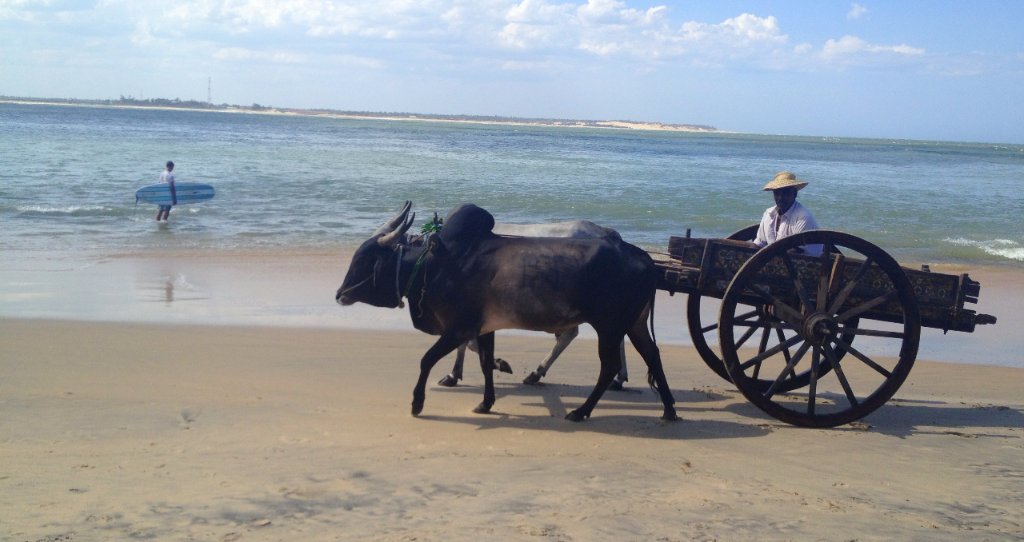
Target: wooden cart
<point>815,341</point>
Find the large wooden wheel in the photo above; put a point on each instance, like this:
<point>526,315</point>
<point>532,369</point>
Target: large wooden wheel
<point>766,329</point>
<point>817,377</point>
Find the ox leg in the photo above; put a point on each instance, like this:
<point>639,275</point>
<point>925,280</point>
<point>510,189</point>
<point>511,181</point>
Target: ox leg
<point>485,343</point>
<point>644,343</point>
<point>444,346</point>
<point>608,350</point>
<point>623,376</point>
<point>499,363</point>
<point>562,341</point>
<point>451,379</point>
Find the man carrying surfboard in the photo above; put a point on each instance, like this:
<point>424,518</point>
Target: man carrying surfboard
<point>167,192</point>
<point>163,212</point>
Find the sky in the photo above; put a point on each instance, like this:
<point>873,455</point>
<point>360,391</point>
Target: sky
<point>935,70</point>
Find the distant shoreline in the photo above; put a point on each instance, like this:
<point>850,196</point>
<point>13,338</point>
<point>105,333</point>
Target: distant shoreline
<point>177,105</point>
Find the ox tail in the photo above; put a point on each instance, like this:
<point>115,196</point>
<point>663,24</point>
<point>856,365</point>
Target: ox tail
<point>651,380</point>
<point>654,294</point>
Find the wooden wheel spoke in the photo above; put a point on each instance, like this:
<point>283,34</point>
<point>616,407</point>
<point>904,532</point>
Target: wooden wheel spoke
<point>867,305</point>
<point>865,359</point>
<point>770,352</point>
<point>789,368</point>
<point>812,390</point>
<point>746,335</point>
<point>711,327</point>
<point>764,323</point>
<point>741,320</point>
<point>747,314</point>
<point>805,300</point>
<point>837,303</point>
<point>824,279</point>
<point>830,356</point>
<point>785,351</point>
<point>783,310</point>
<point>765,334</point>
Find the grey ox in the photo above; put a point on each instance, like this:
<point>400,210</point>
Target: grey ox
<point>467,282</point>
<point>574,229</point>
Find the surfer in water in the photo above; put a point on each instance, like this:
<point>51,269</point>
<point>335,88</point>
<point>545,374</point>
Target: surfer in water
<point>167,176</point>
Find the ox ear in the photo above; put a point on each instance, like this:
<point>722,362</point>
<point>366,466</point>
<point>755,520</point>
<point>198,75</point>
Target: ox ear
<point>390,239</point>
<point>390,225</point>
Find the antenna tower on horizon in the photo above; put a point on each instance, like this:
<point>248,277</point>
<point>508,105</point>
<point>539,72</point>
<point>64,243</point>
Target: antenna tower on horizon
<point>209,93</point>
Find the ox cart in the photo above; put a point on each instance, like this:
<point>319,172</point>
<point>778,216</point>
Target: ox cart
<point>815,341</point>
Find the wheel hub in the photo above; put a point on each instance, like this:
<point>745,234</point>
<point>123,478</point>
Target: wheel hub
<point>818,328</point>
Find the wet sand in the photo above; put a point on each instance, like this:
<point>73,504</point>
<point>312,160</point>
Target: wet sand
<point>295,288</point>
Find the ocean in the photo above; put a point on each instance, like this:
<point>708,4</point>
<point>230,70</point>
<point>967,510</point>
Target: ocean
<point>68,175</point>
<point>75,245</point>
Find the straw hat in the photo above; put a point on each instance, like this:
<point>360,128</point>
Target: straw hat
<point>785,179</point>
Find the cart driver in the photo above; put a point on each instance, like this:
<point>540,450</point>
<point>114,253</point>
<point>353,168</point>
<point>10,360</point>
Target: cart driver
<point>787,216</point>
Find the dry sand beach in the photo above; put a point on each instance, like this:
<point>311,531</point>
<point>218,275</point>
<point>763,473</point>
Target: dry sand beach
<point>184,430</point>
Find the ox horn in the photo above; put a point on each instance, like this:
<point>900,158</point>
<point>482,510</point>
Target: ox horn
<point>390,225</point>
<point>389,239</point>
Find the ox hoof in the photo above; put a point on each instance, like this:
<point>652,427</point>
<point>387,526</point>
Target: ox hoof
<point>417,408</point>
<point>576,416</point>
<point>482,408</point>
<point>532,378</point>
<point>670,415</point>
<point>503,366</point>
<point>449,381</point>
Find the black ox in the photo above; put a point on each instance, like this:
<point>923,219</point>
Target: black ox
<point>466,283</point>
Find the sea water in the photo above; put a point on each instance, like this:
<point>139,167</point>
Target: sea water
<point>68,175</point>
<point>295,183</point>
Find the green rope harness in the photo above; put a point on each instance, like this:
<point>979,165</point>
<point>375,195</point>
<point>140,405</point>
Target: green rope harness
<point>415,270</point>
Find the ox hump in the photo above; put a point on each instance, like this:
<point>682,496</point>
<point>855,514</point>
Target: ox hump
<point>573,229</point>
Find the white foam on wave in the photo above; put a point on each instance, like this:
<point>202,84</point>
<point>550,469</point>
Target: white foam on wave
<point>1003,248</point>
<point>67,209</point>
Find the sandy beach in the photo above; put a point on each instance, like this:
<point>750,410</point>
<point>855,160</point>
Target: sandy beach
<point>168,432</point>
<point>241,403</point>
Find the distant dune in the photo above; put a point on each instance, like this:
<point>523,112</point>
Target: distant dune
<point>192,105</point>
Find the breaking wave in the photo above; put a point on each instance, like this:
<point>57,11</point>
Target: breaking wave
<point>1003,248</point>
<point>71,210</point>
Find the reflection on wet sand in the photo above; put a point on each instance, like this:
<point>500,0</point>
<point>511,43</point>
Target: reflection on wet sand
<point>167,286</point>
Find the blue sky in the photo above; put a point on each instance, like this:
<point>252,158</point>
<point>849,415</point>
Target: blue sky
<point>943,70</point>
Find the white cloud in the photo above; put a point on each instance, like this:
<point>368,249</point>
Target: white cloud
<point>856,11</point>
<point>751,28</point>
<point>535,24</point>
<point>608,28</point>
<point>803,49</point>
<point>614,12</point>
<point>851,49</point>
<point>452,36</point>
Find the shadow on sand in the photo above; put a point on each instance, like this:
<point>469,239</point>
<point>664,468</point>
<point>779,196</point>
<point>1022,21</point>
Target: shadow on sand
<point>644,420</point>
<point>900,418</point>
